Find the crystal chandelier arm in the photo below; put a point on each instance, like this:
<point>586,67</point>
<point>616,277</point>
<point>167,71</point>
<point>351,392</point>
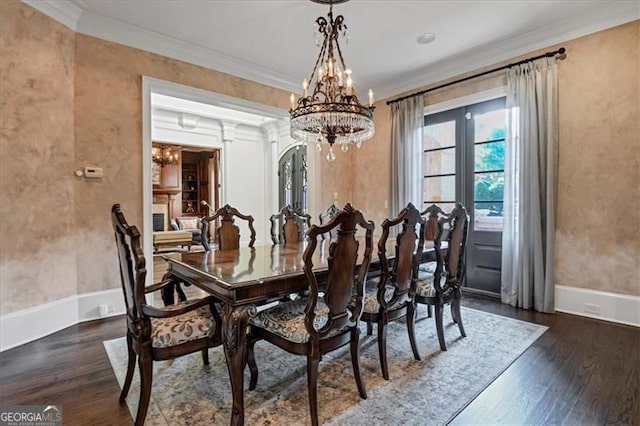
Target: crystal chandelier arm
<point>315,67</point>
<point>344,65</point>
<point>322,28</point>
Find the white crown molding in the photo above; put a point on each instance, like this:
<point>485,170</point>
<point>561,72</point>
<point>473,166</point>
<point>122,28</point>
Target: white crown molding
<point>92,24</point>
<point>119,32</point>
<point>502,51</point>
<point>63,11</point>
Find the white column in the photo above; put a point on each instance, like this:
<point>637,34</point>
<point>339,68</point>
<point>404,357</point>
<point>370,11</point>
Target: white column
<point>272,135</point>
<point>228,135</point>
<point>275,184</point>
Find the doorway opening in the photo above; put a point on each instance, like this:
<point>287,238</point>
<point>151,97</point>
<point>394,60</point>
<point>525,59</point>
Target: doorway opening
<point>230,150</point>
<point>186,188</point>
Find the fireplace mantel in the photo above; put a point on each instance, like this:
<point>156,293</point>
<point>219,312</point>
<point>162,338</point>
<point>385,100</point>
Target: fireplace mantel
<point>167,191</point>
<point>168,199</point>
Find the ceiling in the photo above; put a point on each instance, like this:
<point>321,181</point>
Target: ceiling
<point>272,41</point>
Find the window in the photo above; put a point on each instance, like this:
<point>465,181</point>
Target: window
<point>488,182</point>
<point>464,161</point>
<point>440,164</point>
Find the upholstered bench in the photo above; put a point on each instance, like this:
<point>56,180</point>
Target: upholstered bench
<point>172,238</point>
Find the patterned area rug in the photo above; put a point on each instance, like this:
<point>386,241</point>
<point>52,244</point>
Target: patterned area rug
<point>431,391</point>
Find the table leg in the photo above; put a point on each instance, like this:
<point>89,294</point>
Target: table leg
<point>234,337</point>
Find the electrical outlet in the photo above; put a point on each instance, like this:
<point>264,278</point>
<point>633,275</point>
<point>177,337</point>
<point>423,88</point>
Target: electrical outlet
<point>592,308</point>
<point>110,308</point>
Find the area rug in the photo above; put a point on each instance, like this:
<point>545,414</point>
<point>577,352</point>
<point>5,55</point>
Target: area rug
<point>427,392</point>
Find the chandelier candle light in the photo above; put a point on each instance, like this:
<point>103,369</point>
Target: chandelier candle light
<point>331,110</point>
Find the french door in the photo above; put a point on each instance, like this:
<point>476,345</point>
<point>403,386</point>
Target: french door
<point>292,177</point>
<point>464,161</point>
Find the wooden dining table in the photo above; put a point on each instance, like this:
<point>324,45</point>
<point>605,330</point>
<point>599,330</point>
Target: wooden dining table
<point>246,278</point>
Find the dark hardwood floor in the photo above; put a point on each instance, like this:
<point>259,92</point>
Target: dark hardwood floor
<point>580,372</point>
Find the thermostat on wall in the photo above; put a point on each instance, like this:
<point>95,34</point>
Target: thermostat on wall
<point>93,172</point>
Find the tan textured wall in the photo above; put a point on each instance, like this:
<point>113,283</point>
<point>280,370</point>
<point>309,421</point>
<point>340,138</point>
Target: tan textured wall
<point>372,168</point>
<point>598,221</point>
<point>37,224</point>
<point>336,179</point>
<point>598,217</point>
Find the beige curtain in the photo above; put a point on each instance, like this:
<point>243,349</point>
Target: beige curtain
<point>407,122</point>
<point>531,163</point>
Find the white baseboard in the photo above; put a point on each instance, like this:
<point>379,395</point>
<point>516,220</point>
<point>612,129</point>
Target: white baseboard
<point>620,308</point>
<point>18,328</point>
<point>27,325</point>
<point>89,304</point>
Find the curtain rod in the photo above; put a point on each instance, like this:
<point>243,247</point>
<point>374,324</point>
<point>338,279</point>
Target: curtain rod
<point>560,52</point>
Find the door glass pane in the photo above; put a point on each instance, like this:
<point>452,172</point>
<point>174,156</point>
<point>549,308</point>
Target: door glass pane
<point>440,135</point>
<point>488,196</point>
<point>440,162</point>
<point>490,126</point>
<point>438,189</point>
<point>488,217</point>
<point>489,186</point>
<point>489,156</point>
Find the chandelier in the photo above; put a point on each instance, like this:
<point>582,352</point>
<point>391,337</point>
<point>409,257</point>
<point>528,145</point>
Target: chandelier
<point>329,109</point>
<point>164,156</point>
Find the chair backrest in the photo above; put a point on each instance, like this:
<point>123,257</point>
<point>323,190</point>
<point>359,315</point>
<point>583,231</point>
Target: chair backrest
<point>433,214</point>
<point>325,217</point>
<point>288,226</point>
<point>403,275</point>
<point>132,264</point>
<point>341,276</point>
<point>227,234</point>
<point>451,266</point>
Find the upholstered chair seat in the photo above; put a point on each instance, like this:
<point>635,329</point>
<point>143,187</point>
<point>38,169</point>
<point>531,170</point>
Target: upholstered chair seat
<point>425,287</point>
<point>371,304</point>
<point>287,320</point>
<point>428,267</point>
<point>172,331</point>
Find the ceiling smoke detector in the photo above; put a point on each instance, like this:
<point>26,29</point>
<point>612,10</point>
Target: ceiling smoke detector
<point>426,38</point>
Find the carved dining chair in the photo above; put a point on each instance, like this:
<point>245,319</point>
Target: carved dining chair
<point>325,217</point>
<point>321,323</point>
<point>426,269</point>
<point>154,333</point>
<point>391,296</point>
<point>443,285</point>
<point>288,226</point>
<point>227,234</point>
<point>227,237</point>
